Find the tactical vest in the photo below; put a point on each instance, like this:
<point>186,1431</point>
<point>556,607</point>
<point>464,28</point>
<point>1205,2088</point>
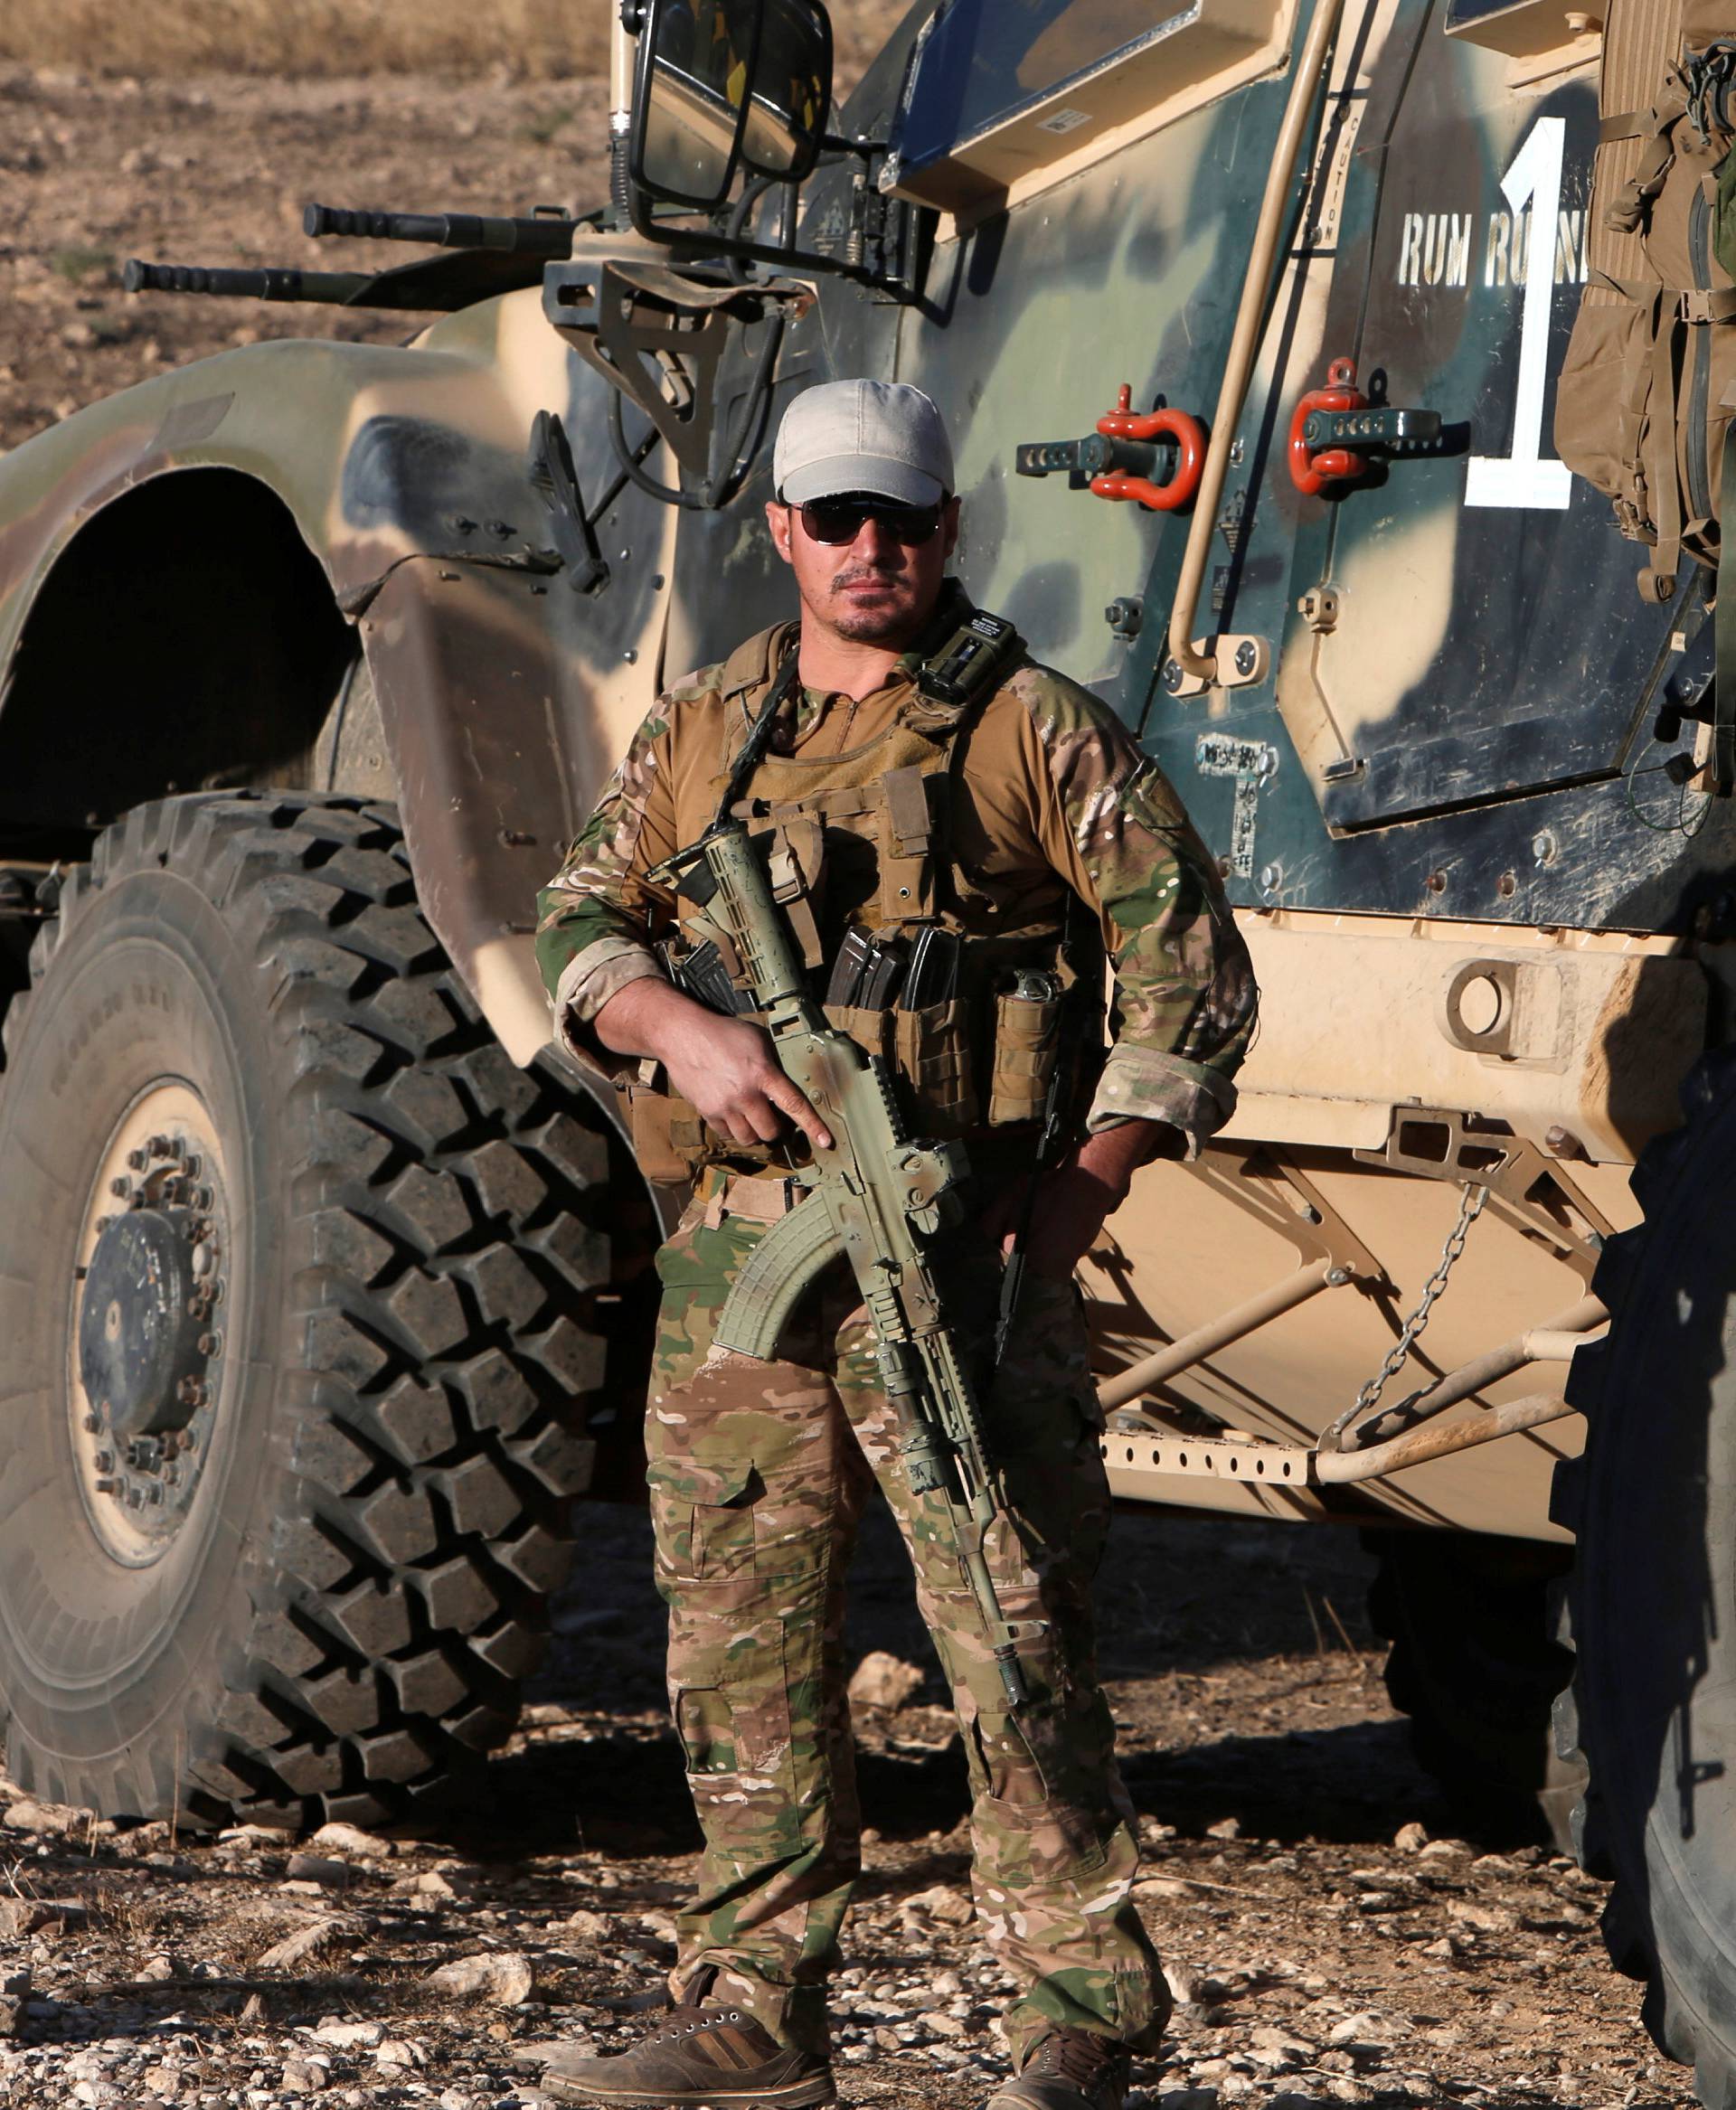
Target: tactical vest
<point>862,842</point>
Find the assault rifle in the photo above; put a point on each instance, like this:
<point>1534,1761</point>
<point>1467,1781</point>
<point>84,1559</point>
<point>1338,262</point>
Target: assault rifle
<point>879,1196</point>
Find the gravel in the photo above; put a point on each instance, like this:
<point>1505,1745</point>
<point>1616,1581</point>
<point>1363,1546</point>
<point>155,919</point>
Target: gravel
<point>1329,1936</point>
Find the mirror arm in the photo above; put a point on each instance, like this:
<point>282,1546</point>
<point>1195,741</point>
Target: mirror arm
<point>694,248</point>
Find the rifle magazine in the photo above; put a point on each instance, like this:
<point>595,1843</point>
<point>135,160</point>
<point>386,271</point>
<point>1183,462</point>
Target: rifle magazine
<point>773,1278</point>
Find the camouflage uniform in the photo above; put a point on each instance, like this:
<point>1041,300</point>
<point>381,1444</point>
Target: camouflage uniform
<point>760,1472</point>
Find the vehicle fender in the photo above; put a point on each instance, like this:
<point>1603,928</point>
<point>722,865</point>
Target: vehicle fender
<point>505,697</point>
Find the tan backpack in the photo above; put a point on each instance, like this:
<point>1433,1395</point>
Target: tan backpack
<point>1640,408</point>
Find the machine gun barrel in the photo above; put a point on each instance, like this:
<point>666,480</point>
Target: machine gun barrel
<point>269,284</point>
<point>543,235</point>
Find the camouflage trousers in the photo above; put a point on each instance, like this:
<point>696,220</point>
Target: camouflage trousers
<point>760,1473</point>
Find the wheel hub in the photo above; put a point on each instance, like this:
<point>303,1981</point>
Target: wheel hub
<point>148,1343</point>
<point>141,1324</point>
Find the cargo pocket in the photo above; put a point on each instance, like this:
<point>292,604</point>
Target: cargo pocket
<point>728,1695</point>
<point>1033,1835</point>
<point>1027,1045</point>
<point>704,1518</point>
<point>1044,1389</point>
<point>931,1048</point>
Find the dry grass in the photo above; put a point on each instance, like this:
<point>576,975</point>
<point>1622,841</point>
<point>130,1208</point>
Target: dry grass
<point>155,37</point>
<point>303,37</point>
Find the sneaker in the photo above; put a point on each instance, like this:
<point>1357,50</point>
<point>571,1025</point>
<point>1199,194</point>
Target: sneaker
<point>715,2057</point>
<point>1071,2070</point>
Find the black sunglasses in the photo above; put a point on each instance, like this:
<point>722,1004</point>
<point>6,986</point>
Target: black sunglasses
<point>840,520</point>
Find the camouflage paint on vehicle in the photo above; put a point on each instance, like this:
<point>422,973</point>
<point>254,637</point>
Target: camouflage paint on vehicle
<point>406,475</point>
<point>1435,787</point>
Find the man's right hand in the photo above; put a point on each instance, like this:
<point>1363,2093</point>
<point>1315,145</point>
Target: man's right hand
<point>723,1066</point>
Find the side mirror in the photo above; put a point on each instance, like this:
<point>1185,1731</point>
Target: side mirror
<point>728,84</point>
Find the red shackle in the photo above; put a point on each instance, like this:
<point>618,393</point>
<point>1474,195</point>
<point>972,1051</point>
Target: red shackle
<point>1310,473</point>
<point>1189,435</point>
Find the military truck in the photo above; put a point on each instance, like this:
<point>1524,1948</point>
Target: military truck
<point>323,1270</point>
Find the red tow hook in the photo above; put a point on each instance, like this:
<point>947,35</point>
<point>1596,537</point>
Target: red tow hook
<point>1126,423</point>
<point>1310,472</point>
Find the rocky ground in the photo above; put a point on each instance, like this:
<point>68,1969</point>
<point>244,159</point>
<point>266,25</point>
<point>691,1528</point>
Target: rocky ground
<point>1328,1936</point>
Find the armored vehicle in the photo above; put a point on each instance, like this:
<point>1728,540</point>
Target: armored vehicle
<point>1293,353</point>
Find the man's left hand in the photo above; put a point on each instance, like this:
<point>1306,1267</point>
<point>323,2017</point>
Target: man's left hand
<point>1077,1197</point>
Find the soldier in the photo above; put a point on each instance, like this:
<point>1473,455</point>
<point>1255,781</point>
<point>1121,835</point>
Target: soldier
<point>1011,829</point>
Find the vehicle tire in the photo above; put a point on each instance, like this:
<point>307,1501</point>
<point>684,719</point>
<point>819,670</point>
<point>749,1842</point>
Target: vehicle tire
<point>297,1281</point>
<point>1652,1501</point>
<point>1472,1620</point>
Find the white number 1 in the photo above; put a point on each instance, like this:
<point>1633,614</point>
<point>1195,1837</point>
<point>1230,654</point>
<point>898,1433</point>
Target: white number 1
<point>1524,476</point>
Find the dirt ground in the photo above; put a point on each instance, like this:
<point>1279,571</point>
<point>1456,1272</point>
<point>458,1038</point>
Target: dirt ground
<point>1316,1961</point>
<point>215,171</point>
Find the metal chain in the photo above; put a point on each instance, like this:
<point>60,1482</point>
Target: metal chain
<point>1470,1208</point>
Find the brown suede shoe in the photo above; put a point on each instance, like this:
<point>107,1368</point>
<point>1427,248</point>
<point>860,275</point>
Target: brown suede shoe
<point>1071,2070</point>
<point>714,2057</point>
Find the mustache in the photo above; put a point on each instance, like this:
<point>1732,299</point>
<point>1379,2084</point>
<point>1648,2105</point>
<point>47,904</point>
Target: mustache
<point>867,575</point>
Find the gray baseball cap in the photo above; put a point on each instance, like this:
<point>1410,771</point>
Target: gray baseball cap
<point>879,435</point>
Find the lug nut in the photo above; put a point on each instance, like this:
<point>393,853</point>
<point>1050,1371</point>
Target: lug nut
<point>107,1486</point>
<point>105,1461</point>
<point>158,1146</point>
<point>137,1159</point>
<point>120,1187</point>
<point>92,1424</point>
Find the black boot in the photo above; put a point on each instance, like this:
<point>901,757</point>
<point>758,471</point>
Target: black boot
<point>717,2057</point>
<point>1071,2070</point>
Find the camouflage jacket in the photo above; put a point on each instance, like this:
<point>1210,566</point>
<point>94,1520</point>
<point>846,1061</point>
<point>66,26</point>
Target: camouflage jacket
<point>1058,797</point>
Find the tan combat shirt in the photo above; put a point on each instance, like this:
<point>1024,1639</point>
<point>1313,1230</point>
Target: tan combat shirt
<point>1054,794</point>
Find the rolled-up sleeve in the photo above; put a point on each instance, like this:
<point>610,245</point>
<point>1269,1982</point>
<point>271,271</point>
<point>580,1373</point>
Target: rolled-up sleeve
<point>597,917</point>
<point>1184,1002</point>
